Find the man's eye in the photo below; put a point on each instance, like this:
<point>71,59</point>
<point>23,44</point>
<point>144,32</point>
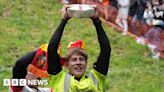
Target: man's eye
<point>82,59</point>
<point>73,59</point>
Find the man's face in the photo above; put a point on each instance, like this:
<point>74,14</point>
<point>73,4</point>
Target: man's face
<point>77,65</point>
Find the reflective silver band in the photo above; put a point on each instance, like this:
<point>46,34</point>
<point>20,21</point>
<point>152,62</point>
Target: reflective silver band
<point>93,78</point>
<point>67,82</point>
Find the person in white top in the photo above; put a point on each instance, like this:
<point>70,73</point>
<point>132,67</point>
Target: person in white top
<point>122,15</point>
<point>148,14</point>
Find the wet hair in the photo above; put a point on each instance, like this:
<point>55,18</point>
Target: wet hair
<point>76,51</point>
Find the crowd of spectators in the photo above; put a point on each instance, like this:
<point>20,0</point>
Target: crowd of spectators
<point>151,14</point>
<point>148,11</point>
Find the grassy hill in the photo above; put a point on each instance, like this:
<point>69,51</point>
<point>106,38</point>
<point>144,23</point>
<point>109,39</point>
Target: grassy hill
<point>26,24</point>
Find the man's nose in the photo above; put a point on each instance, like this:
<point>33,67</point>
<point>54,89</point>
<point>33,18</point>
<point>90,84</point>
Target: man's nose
<point>78,61</point>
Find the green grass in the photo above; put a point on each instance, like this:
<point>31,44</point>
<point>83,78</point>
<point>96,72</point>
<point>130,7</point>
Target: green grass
<point>27,24</point>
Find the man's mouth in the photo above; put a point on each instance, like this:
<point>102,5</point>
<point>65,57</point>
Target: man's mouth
<point>78,69</point>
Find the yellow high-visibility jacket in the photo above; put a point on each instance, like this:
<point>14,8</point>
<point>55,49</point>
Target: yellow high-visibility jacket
<point>64,82</point>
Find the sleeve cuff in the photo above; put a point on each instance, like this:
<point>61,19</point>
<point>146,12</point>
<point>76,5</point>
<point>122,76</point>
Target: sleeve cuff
<point>96,20</point>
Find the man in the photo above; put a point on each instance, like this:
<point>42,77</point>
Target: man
<point>122,15</point>
<point>76,61</point>
<point>32,66</point>
<point>77,80</point>
<point>105,4</point>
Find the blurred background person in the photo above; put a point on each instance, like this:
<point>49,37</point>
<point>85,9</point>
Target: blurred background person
<point>148,13</point>
<point>106,8</point>
<point>158,11</point>
<point>122,16</point>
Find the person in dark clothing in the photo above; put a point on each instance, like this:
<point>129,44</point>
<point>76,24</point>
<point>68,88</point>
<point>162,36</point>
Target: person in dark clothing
<point>32,66</point>
<point>138,16</point>
<point>114,3</point>
<point>133,7</point>
<point>140,9</point>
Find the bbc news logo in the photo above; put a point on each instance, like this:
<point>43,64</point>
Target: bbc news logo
<point>23,82</point>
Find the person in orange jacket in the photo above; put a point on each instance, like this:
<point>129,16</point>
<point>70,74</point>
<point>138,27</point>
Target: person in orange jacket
<point>106,8</point>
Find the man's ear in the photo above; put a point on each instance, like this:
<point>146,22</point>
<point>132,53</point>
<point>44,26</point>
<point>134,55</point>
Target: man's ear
<point>66,63</point>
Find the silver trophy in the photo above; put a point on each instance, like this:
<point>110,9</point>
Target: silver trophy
<point>81,10</point>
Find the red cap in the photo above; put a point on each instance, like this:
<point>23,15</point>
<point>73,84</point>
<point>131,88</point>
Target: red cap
<point>77,44</point>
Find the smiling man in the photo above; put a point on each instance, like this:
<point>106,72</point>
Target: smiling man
<point>76,58</point>
<point>77,80</point>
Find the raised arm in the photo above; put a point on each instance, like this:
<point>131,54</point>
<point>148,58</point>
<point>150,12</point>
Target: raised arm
<point>54,65</point>
<point>105,50</point>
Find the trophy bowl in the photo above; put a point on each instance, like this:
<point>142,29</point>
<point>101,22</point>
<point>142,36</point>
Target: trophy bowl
<point>80,10</point>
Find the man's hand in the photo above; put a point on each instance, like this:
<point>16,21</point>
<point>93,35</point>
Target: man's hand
<point>64,12</point>
<point>96,12</point>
